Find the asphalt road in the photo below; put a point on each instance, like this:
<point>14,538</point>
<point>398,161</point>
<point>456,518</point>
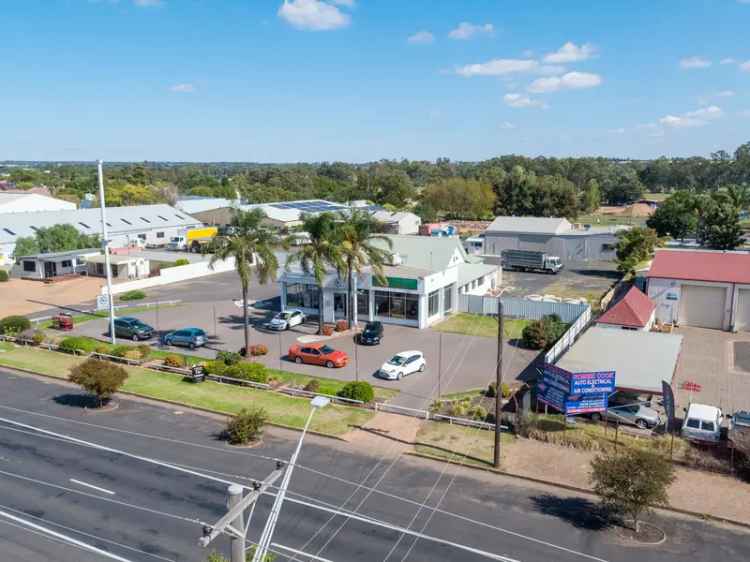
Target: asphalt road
<point>145,512</point>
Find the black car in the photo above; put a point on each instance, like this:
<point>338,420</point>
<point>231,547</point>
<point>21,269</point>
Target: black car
<point>372,334</point>
<point>133,329</point>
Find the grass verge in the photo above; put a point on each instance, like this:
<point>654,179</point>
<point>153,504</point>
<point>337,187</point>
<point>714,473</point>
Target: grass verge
<point>327,386</point>
<point>466,445</point>
<point>88,316</point>
<point>479,325</point>
<point>221,398</point>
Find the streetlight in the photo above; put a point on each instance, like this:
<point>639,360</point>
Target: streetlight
<point>498,378</point>
<point>265,540</point>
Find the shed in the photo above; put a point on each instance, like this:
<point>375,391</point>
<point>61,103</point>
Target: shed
<point>124,267</point>
<point>641,360</point>
<point>53,264</point>
<point>634,311</point>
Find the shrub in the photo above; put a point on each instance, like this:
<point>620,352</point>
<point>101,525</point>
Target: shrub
<point>247,426</point>
<point>228,357</point>
<point>361,390</point>
<point>313,385</point>
<point>534,336</point>
<point>505,391</point>
<point>255,372</point>
<point>78,344</point>
<point>132,354</point>
<point>458,409</point>
<point>341,326</point>
<point>118,350</point>
<point>97,377</point>
<point>144,350</point>
<point>38,337</point>
<point>478,413</point>
<point>258,349</point>
<point>327,330</point>
<point>174,361</point>
<point>11,325</point>
<point>217,368</point>
<point>134,295</point>
<point>491,391</point>
<point>181,261</point>
<point>4,277</point>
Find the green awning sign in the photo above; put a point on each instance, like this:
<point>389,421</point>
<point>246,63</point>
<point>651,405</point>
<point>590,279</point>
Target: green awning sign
<point>398,283</point>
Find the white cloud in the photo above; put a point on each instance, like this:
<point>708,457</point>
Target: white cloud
<point>728,60</point>
<point>697,118</point>
<point>506,125</point>
<point>745,66</point>
<point>695,62</point>
<point>182,88</point>
<point>569,81</point>
<point>521,100</point>
<point>313,15</point>
<point>550,70</point>
<point>498,67</point>
<point>466,30</point>
<point>421,38</point>
<point>570,52</point>
<point>725,94</point>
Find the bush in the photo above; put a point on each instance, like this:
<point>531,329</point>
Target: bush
<point>247,426</point>
<point>542,334</point>
<point>176,361</point>
<point>4,277</point>
<point>118,350</point>
<point>132,354</point>
<point>228,357</point>
<point>38,337</point>
<point>506,391</point>
<point>12,325</point>
<point>144,350</point>
<point>361,391</point>
<point>458,409</point>
<point>217,368</point>
<point>478,413</point>
<point>134,295</point>
<point>97,377</point>
<point>78,344</point>
<point>341,326</point>
<point>313,385</point>
<point>103,349</point>
<point>491,391</point>
<point>181,261</point>
<point>255,372</point>
<point>258,350</point>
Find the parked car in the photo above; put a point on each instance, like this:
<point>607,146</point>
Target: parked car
<point>372,334</point>
<point>132,328</point>
<point>403,364</point>
<point>318,354</point>
<point>286,319</point>
<point>187,337</point>
<point>702,423</point>
<point>633,414</point>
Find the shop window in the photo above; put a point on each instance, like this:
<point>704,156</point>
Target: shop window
<point>433,303</point>
<point>363,302</point>
<point>67,263</point>
<point>29,265</point>
<point>400,306</point>
<point>302,296</point>
<point>448,298</point>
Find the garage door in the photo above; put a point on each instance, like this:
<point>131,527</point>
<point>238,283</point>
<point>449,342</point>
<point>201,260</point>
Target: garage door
<point>702,306</point>
<point>743,310</point>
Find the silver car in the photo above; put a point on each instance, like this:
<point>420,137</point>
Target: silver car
<point>632,414</point>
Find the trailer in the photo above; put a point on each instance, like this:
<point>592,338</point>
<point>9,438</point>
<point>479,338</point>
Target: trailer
<point>193,240</point>
<point>530,260</point>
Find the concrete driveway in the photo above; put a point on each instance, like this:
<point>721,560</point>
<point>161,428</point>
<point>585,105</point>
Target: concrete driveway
<point>586,279</point>
<point>466,362</point>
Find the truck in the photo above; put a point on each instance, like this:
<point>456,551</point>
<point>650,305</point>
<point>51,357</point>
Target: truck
<point>193,239</point>
<point>530,260</point>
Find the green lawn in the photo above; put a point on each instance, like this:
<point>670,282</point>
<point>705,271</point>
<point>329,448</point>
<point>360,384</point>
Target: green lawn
<point>465,445</point>
<point>598,219</point>
<point>479,325</point>
<point>222,398</point>
<point>86,317</point>
<point>327,386</point>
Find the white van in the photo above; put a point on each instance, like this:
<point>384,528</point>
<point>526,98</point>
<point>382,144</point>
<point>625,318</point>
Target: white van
<point>702,423</point>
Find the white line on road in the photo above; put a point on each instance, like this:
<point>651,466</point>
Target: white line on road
<point>97,488</point>
<point>299,552</point>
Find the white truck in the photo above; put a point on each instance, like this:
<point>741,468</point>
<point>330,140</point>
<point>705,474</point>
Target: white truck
<point>530,260</point>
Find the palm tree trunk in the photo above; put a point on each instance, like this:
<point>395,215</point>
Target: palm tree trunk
<point>320,310</point>
<point>350,291</point>
<point>245,320</point>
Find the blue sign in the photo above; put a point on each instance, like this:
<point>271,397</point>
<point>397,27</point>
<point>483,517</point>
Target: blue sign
<point>586,403</point>
<point>592,383</point>
<point>551,395</point>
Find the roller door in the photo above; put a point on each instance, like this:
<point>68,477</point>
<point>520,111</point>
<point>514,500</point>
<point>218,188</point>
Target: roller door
<point>742,314</point>
<point>702,306</point>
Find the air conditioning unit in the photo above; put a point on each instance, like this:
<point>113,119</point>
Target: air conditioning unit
<point>395,259</point>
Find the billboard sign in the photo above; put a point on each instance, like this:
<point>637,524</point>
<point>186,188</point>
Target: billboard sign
<point>575,393</point>
<point>586,403</point>
<point>592,383</point>
<point>551,395</point>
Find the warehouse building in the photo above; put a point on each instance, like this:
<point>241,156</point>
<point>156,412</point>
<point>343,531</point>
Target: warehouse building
<point>422,284</point>
<point>708,289</point>
<point>141,224</point>
<point>21,202</point>
<point>556,236</point>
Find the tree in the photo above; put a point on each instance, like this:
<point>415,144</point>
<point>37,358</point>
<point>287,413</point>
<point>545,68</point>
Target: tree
<point>357,232</point>
<point>719,224</point>
<point>246,426</point>
<point>97,377</point>
<point>460,198</point>
<point>634,246</point>
<point>676,217</point>
<point>321,253</point>
<point>632,481</point>
<point>26,246</point>
<point>57,238</point>
<point>394,187</point>
<point>591,197</point>
<point>250,243</point>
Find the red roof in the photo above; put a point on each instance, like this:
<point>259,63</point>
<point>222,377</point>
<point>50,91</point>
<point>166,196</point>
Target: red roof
<point>633,310</point>
<point>718,267</point>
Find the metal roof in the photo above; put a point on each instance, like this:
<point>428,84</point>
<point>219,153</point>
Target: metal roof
<point>30,202</point>
<point>61,255</point>
<point>530,225</point>
<point>467,272</point>
<point>200,204</point>
<point>428,253</point>
<point>705,265</point>
<point>121,220</point>
<point>633,310</point>
<point>641,360</point>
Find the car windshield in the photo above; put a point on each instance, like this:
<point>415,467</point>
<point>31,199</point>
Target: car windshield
<point>371,328</point>
<point>284,315</point>
<point>397,360</point>
<point>139,324</point>
<point>325,349</point>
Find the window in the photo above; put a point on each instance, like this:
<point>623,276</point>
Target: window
<point>707,426</point>
<point>144,219</point>
<point>67,263</point>
<point>100,269</point>
<point>160,235</point>
<point>382,304</point>
<point>693,423</point>
<point>433,303</point>
<point>142,237</point>
<point>127,222</point>
<point>608,247</point>
<point>302,296</point>
<point>84,225</point>
<point>401,306</point>
<point>363,302</point>
<point>448,298</point>
<point>29,265</point>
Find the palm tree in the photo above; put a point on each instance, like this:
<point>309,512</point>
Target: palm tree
<point>319,254</point>
<point>250,243</point>
<point>357,233</point>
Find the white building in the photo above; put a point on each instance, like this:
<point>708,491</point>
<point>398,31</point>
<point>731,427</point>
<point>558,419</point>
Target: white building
<point>142,224</point>
<point>31,202</point>
<point>421,286</point>
<point>399,222</point>
<point>56,264</point>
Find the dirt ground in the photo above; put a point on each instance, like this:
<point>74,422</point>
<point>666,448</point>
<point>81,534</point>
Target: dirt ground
<point>19,296</point>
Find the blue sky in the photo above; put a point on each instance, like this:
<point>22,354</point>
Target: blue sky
<point>360,80</point>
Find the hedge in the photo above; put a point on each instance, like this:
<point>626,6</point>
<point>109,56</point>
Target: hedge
<point>255,372</point>
<point>134,295</point>
<point>12,325</point>
<point>361,391</point>
<point>4,277</point>
<point>75,344</point>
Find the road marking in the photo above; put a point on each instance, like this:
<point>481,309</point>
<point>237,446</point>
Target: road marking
<point>97,488</point>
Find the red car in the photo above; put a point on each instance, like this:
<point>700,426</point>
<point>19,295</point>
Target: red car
<point>318,354</point>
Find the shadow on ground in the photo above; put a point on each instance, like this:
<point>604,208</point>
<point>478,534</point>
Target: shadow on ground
<point>77,400</point>
<point>579,512</point>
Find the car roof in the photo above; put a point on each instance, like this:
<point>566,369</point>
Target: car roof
<point>703,411</point>
<point>408,353</point>
<point>127,318</point>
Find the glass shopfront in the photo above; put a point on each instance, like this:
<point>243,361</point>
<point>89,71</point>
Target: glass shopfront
<point>299,295</point>
<point>399,306</point>
<point>340,305</point>
<point>363,303</point>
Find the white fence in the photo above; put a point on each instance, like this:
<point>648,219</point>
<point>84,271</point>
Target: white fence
<point>520,308</point>
<point>173,275</point>
<point>569,337</point>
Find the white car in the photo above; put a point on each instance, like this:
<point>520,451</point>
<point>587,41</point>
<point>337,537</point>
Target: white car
<point>287,319</point>
<point>403,364</point>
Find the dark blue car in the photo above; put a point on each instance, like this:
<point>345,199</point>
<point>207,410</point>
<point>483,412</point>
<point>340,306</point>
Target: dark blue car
<point>187,337</point>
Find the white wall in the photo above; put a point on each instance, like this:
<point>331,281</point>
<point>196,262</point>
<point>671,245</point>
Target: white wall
<point>666,294</point>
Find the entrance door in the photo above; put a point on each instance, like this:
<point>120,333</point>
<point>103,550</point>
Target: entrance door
<point>743,310</point>
<point>339,305</point>
<point>50,269</point>
<point>702,306</point>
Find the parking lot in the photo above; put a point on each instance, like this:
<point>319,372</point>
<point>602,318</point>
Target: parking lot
<point>589,280</point>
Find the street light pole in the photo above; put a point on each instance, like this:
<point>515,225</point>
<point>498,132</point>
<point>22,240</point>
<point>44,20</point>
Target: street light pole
<point>105,245</point>
<point>238,542</point>
<point>498,380</point>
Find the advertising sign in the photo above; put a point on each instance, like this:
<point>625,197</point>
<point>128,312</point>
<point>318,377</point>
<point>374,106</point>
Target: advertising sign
<point>102,302</point>
<point>668,397</point>
<point>552,396</point>
<point>592,383</point>
<point>586,403</point>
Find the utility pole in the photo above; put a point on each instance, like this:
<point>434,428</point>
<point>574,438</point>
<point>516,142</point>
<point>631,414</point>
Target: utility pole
<point>238,543</point>
<point>105,245</point>
<point>498,380</point>
<point>440,366</point>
